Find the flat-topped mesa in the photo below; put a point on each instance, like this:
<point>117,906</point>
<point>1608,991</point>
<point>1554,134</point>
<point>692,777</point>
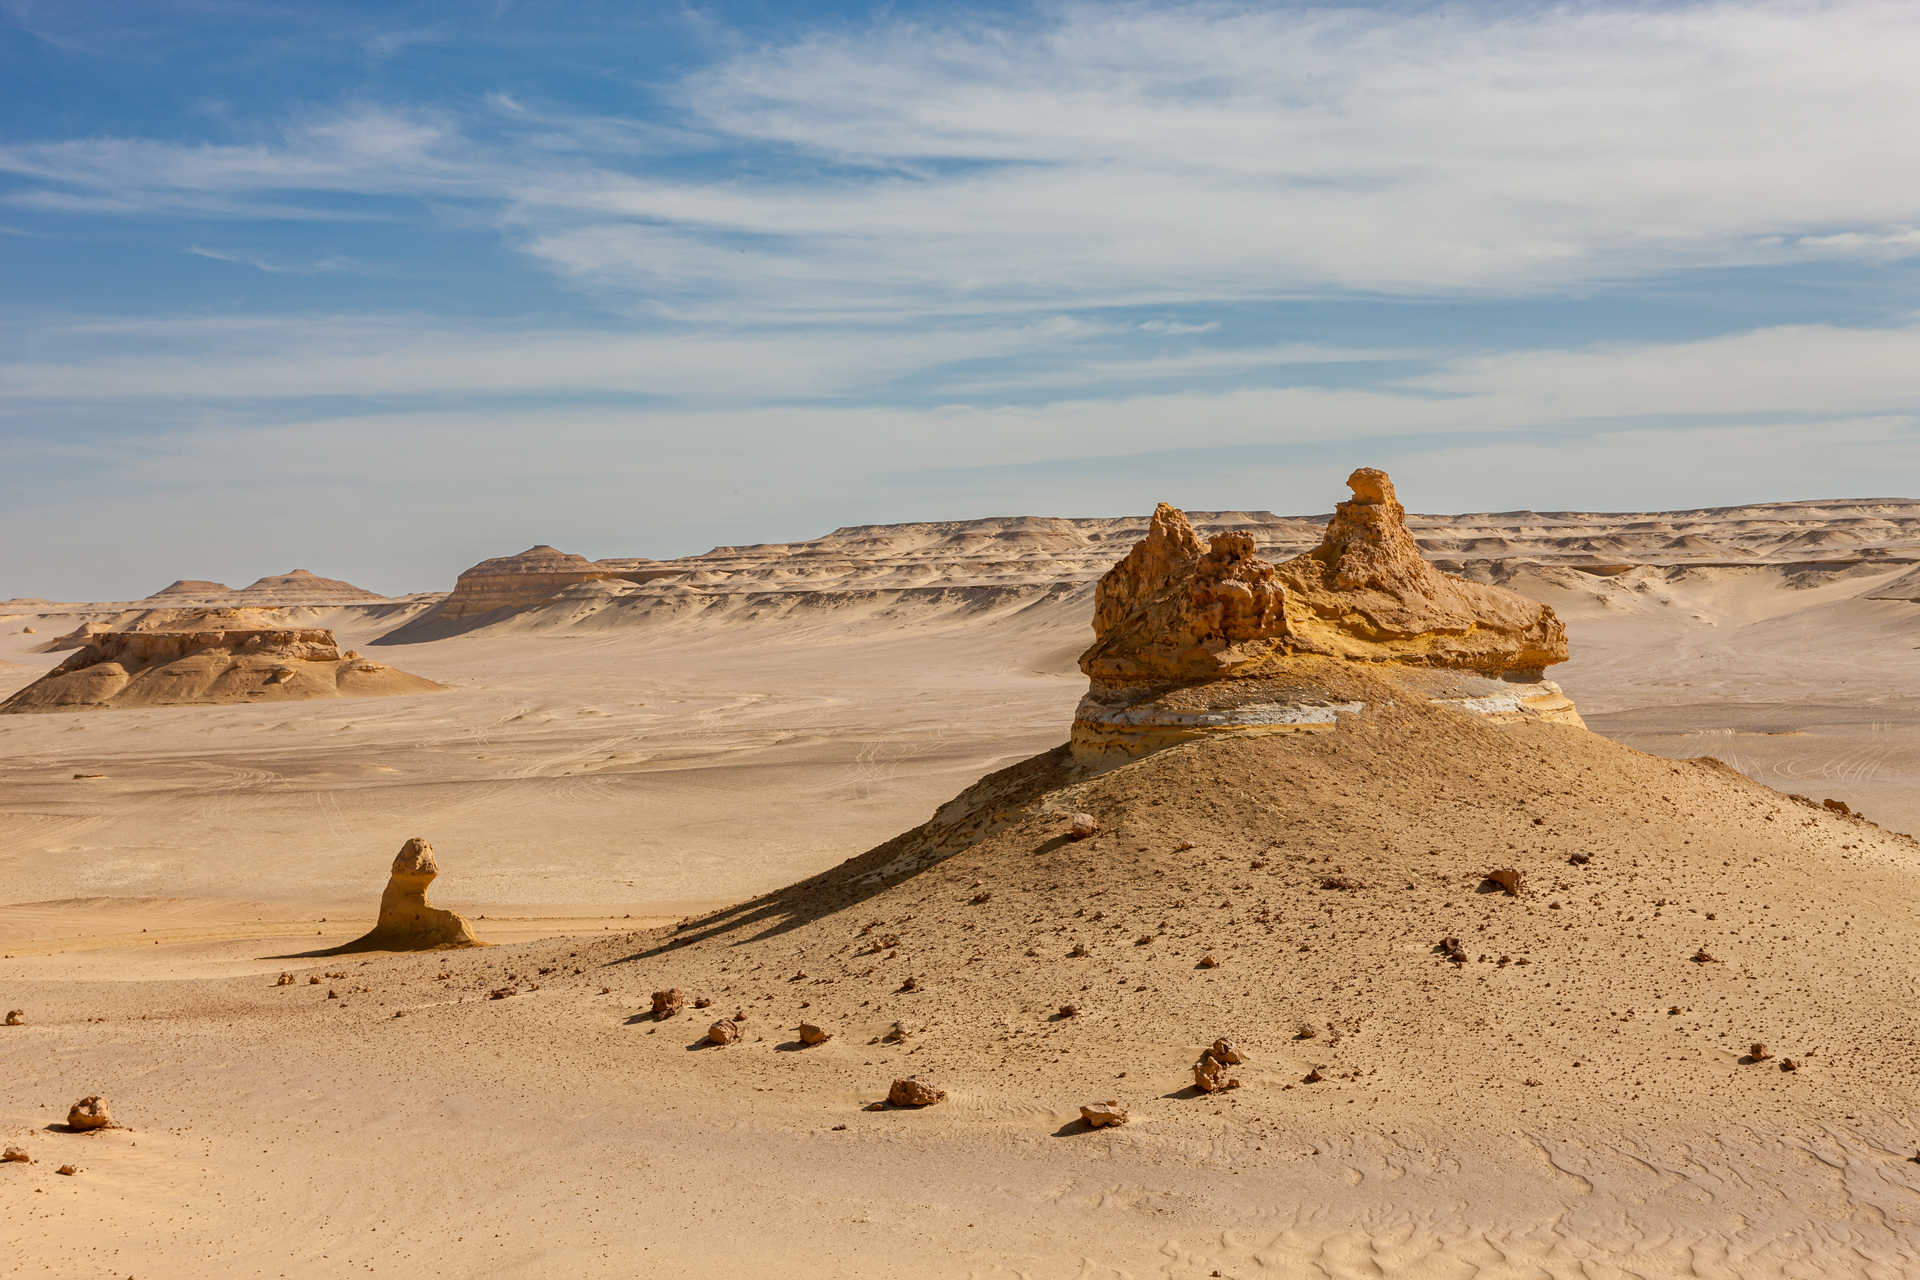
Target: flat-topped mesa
<point>1190,641</point>
<point>119,669</point>
<point>518,581</point>
<point>303,586</point>
<point>407,921</point>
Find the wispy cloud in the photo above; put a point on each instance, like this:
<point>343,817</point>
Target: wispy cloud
<point>270,265</point>
<point>1099,156</point>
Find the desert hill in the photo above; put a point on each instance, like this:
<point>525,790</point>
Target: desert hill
<point>217,663</point>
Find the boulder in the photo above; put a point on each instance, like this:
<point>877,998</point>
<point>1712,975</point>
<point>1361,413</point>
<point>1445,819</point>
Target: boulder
<point>725,1031</point>
<point>914,1093</point>
<point>16,1016</point>
<point>667,1003</point>
<point>1100,1115</point>
<point>90,1113</point>
<point>1083,826</point>
<point>812,1035</point>
<point>1510,879</point>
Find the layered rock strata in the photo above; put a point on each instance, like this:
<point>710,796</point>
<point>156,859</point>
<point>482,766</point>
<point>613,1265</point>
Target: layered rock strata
<point>117,669</point>
<point>1192,639</point>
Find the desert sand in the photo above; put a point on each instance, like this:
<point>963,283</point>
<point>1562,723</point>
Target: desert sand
<point>654,777</point>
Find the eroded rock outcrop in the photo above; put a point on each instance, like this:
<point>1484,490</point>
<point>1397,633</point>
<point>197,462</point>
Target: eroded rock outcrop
<point>518,581</point>
<point>152,668</point>
<point>1367,593</point>
<point>90,1113</point>
<point>1191,640</point>
<point>407,921</point>
<point>302,586</point>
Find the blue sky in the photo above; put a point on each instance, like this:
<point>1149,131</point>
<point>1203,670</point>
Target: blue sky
<point>381,290</point>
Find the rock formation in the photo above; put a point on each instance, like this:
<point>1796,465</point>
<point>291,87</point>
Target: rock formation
<point>1367,593</point>
<point>517,582</point>
<point>117,669</point>
<point>1192,640</point>
<point>191,589</point>
<point>407,922</point>
<point>1101,1115</point>
<point>302,586</point>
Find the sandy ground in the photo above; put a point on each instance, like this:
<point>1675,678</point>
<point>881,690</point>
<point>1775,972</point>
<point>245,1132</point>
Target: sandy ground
<point>580,785</point>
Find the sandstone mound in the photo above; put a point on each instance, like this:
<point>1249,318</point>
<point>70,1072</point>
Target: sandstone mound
<point>191,589</point>
<point>1317,908</point>
<point>407,921</point>
<point>302,586</point>
<point>1192,639</point>
<point>120,669</point>
<point>515,582</point>
<point>1327,873</point>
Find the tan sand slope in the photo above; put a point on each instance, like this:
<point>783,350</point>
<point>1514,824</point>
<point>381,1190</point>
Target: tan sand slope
<point>118,669</point>
<point>1546,1116</point>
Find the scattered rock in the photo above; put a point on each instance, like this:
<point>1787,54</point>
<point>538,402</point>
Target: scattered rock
<point>913,1093</point>
<point>1312,1077</point>
<point>1224,1050</point>
<point>1342,884</point>
<point>1210,1072</point>
<point>703,1003</point>
<point>90,1113</point>
<point>723,1032</point>
<point>1451,949</point>
<point>15,1155</point>
<point>1305,1031</point>
<point>66,1171</point>
<point>1789,1064</point>
<point>1079,952</point>
<point>1702,957</point>
<point>16,1016</point>
<point>1510,879</point>
<point>812,1035</point>
<point>1068,1011</point>
<point>1099,1115</point>
<point>667,1003</point>
<point>1757,1052</point>
<point>1084,825</point>
<point>498,993</point>
<point>314,981</point>
<point>284,980</point>
<point>1579,859</point>
<point>896,1034</point>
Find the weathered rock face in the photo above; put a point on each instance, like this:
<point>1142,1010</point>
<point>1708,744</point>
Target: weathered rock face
<point>1172,610</point>
<point>1189,642</point>
<point>407,921</point>
<point>119,669</point>
<point>90,1113</point>
<point>1367,593</point>
<point>518,582</point>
